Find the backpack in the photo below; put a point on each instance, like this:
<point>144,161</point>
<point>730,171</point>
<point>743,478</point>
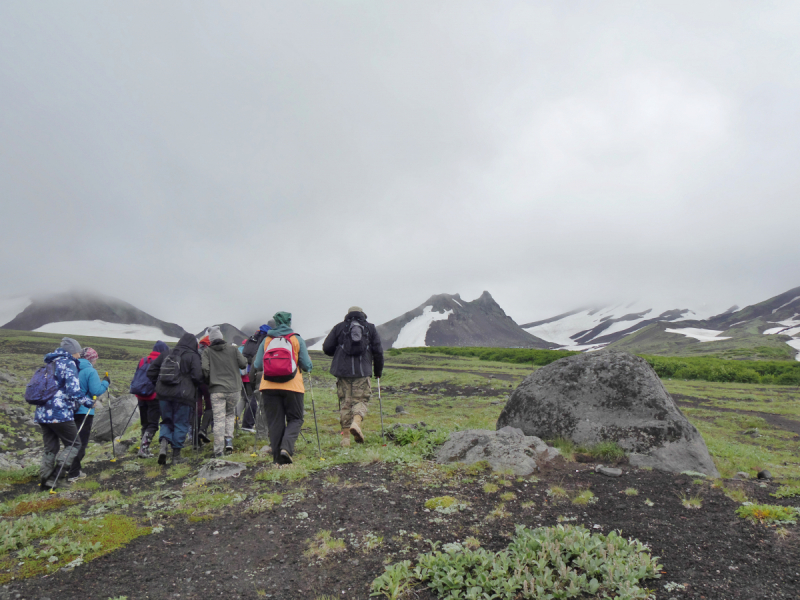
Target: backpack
<point>356,338</point>
<point>252,344</point>
<point>43,386</point>
<point>141,385</point>
<point>170,373</point>
<point>280,365</point>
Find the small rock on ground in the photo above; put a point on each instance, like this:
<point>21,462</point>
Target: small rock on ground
<point>609,471</point>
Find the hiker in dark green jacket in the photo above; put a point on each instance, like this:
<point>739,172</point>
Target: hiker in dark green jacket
<point>221,364</point>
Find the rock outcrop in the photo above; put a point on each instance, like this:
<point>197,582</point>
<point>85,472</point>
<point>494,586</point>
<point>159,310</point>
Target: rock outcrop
<point>508,448</point>
<point>600,396</point>
<point>124,410</point>
<point>220,469</point>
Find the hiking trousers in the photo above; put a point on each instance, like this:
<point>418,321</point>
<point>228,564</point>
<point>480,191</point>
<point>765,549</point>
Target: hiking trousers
<point>84,432</point>
<point>354,396</point>
<point>175,417</point>
<point>149,416</point>
<point>224,409</point>
<point>284,410</point>
<point>55,434</point>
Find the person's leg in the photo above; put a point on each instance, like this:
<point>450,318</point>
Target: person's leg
<point>68,434</point>
<point>51,447</point>
<point>218,407</point>
<point>276,417</point>
<point>344,389</point>
<point>182,415</point>
<point>361,392</point>
<point>167,425</point>
<point>144,419</point>
<point>231,400</point>
<point>84,425</point>
<point>294,420</point>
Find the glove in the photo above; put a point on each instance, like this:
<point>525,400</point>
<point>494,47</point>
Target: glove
<point>88,403</point>
<point>378,375</point>
<point>108,379</point>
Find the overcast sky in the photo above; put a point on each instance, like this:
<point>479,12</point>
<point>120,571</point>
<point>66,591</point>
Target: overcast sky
<point>211,161</point>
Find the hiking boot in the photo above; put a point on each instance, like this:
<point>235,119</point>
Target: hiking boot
<point>162,452</point>
<point>345,443</point>
<point>80,475</point>
<point>248,429</point>
<point>201,435</point>
<point>228,445</point>
<point>356,430</point>
<point>58,485</point>
<point>144,446</point>
<point>286,457</point>
<point>176,456</point>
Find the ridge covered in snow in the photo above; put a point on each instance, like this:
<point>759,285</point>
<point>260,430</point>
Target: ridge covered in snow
<point>108,330</point>
<point>413,333</point>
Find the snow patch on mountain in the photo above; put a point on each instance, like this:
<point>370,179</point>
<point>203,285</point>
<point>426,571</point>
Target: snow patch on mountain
<point>11,306</point>
<point>701,335</point>
<point>414,332</point>
<point>108,330</point>
<point>795,343</point>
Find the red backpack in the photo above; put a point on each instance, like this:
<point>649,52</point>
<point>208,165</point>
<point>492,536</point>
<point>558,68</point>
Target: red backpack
<point>280,364</point>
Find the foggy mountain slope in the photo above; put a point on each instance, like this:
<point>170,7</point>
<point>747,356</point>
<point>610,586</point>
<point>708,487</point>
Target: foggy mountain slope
<point>591,328</point>
<point>447,320</point>
<point>84,313</point>
<point>768,329</point>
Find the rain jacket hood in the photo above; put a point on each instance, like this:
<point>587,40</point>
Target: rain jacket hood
<point>187,342</point>
<point>160,347</point>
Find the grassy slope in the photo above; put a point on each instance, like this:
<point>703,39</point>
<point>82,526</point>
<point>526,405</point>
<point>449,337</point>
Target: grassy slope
<point>440,404</point>
<point>746,343</point>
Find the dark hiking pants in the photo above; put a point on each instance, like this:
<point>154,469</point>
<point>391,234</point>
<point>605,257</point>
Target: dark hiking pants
<point>149,416</point>
<point>284,412</point>
<point>84,420</point>
<point>55,434</point>
<point>175,418</point>
<point>250,408</point>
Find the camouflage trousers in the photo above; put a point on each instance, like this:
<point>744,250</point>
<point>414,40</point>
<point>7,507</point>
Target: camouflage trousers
<point>354,395</point>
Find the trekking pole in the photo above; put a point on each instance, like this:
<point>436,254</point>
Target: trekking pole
<point>111,421</point>
<point>314,410</point>
<point>119,437</point>
<point>77,437</point>
<point>255,426</point>
<point>380,407</point>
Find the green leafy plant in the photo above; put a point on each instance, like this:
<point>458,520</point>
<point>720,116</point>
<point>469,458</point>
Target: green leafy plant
<point>584,497</point>
<point>549,562</point>
<point>787,491</point>
<point>769,513</point>
<point>631,491</point>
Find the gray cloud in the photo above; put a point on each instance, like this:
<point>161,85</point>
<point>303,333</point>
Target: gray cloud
<point>215,164</point>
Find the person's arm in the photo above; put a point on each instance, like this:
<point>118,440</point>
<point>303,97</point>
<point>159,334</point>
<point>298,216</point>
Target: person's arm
<point>241,360</point>
<point>195,369</point>
<point>303,359</point>
<point>377,351</point>
<point>205,365</point>
<point>96,387</point>
<point>330,343</point>
<point>155,368</point>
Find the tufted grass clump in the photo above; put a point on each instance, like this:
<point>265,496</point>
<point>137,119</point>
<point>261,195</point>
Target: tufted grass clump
<point>787,491</point>
<point>769,513</point>
<point>40,505</point>
<point>631,491</point>
<point>324,544</point>
<point>439,502</point>
<point>584,497</point>
<point>490,488</point>
<point>556,492</point>
<point>564,561</point>
<point>691,502</point>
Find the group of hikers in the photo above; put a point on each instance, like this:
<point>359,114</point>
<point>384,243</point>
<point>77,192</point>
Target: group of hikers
<point>205,383</point>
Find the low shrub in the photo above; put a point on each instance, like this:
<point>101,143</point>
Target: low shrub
<point>548,562</point>
<point>769,513</point>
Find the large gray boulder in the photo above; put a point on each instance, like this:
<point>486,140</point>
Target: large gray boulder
<point>507,448</point>
<point>124,409</point>
<point>607,395</point>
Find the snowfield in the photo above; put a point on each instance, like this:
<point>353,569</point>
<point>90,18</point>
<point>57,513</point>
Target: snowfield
<point>10,307</point>
<point>108,330</point>
<point>413,333</point>
<point>701,335</point>
<point>796,345</point>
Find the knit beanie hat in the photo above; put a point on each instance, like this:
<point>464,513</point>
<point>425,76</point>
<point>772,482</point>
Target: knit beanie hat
<point>89,354</point>
<point>271,324</point>
<point>214,333</point>
<point>70,345</point>
<point>355,309</point>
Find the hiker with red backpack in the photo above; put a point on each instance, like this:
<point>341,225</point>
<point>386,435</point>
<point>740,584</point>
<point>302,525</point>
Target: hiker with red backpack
<point>283,356</point>
<point>145,392</point>
<point>176,376</point>
<point>55,390</point>
<point>221,363</point>
<point>355,347</point>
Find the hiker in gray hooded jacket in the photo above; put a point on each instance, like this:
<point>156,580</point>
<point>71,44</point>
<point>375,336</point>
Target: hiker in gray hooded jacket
<point>221,363</point>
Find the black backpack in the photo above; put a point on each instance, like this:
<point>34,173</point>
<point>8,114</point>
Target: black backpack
<point>356,338</point>
<point>170,373</point>
<point>252,344</point>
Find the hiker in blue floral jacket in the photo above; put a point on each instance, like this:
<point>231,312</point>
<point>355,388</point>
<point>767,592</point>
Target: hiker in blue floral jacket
<point>57,417</point>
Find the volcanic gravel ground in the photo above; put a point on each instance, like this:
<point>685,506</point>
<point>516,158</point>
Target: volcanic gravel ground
<point>236,555</point>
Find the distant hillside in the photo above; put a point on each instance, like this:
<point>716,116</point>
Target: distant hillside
<point>229,333</point>
<point>81,313</point>
<point>447,320</point>
<point>769,329</point>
